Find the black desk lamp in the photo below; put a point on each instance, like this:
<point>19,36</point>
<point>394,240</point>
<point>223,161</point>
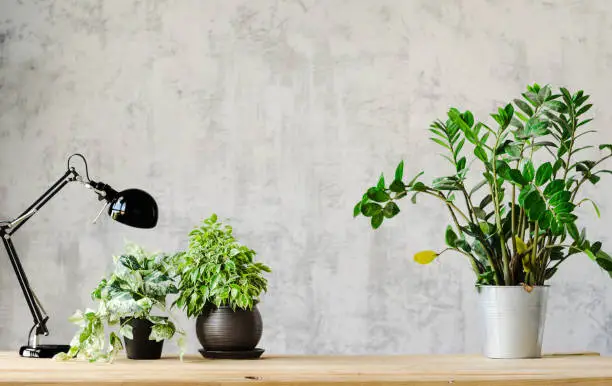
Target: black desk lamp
<point>131,207</point>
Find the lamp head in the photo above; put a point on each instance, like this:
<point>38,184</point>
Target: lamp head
<point>133,207</point>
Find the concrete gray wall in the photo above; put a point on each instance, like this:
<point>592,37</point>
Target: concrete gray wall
<point>276,115</point>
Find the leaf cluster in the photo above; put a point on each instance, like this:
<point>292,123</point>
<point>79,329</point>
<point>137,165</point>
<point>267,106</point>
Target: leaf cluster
<point>217,269</point>
<point>516,223</point>
<point>137,287</point>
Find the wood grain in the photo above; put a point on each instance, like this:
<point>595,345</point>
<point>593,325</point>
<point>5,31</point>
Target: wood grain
<point>320,370</point>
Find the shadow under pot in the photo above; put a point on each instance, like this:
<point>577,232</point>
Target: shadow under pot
<point>224,329</point>
<point>140,346</point>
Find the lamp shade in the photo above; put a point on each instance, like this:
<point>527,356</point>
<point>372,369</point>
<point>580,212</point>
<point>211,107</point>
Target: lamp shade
<point>134,207</point>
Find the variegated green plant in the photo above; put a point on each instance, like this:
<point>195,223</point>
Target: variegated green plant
<point>137,289</point>
<point>513,217</point>
<point>217,269</point>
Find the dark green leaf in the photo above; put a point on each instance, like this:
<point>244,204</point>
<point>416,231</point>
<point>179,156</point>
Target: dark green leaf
<point>517,123</point>
<point>584,123</point>
<point>516,177</point>
<point>513,149</point>
<point>573,231</point>
<point>553,187</point>
<point>450,237</point>
<point>457,118</point>
<point>461,164</point>
<point>594,179</point>
<point>557,106</point>
<point>535,206</point>
<point>524,107</point>
<point>391,209</point>
<point>606,264</point>
<point>480,213</point>
<point>567,97</point>
<point>559,197</point>
<point>399,171</point>
<point>596,247</point>
<point>502,169</point>
<point>381,183</point>
<point>377,220</point>
<point>556,253</point>
<point>462,244</point>
<point>485,201</point>
<point>584,109</point>
<point>370,209</point>
<point>375,194</point>
<point>509,110</point>
<point>459,147</point>
<point>478,186</point>
<point>536,127</point>
<point>606,146</point>
<point>580,99</point>
<point>543,174</point>
<point>528,171</point>
<point>564,207</point>
<point>480,153</point>
<point>558,165</point>
<point>468,118</point>
<point>397,186</point>
<point>546,219</point>
<point>556,228</point>
<point>565,218</point>
<point>446,183</point>
<point>418,187</point>
<point>549,272</point>
<point>524,193</point>
<point>357,209</point>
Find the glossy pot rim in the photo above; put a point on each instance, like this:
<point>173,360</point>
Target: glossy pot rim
<point>225,306</point>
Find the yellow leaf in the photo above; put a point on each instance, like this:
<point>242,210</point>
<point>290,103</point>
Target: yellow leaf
<point>521,247</point>
<point>425,257</point>
<point>526,264</point>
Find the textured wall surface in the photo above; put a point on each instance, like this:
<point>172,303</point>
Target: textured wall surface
<point>276,114</point>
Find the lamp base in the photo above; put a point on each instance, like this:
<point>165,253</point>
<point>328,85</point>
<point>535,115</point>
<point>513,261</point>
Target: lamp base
<point>43,350</point>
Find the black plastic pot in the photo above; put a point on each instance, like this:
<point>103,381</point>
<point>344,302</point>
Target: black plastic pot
<point>223,329</point>
<point>140,347</point>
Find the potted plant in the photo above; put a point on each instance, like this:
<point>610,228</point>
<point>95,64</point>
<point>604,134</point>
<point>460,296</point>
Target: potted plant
<point>220,284</point>
<point>129,299</point>
<point>512,215</point>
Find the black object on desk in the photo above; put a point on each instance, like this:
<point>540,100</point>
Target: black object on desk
<point>133,207</point>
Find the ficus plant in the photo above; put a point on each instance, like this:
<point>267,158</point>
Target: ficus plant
<point>217,269</point>
<point>513,188</point>
<point>136,289</point>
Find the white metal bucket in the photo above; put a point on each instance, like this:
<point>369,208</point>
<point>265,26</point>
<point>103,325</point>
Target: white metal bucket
<point>513,320</point>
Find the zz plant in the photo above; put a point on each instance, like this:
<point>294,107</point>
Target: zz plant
<point>217,269</point>
<point>137,289</point>
<point>513,216</point>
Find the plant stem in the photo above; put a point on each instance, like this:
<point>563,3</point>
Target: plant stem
<point>441,196</point>
<point>571,146</point>
<point>506,267</point>
<point>534,248</point>
<point>468,203</point>
<point>585,178</point>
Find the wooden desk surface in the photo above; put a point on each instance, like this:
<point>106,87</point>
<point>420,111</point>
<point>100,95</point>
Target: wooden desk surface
<point>320,370</point>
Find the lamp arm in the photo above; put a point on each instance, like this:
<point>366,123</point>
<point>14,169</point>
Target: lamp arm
<point>8,228</point>
<point>69,176</point>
